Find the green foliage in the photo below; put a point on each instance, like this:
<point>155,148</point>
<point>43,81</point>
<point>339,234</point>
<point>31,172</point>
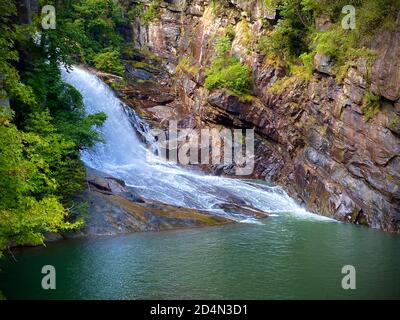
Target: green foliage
<point>346,46</point>
<point>8,55</point>
<point>223,45</point>
<point>226,71</point>
<point>271,4</point>
<point>147,12</point>
<point>100,19</point>
<point>229,73</point>
<point>295,34</point>
<point>109,61</point>
<point>60,104</point>
<point>329,8</point>
<point>394,123</point>
<point>307,60</point>
<point>371,105</point>
<point>287,82</point>
<point>298,74</point>
<point>152,12</point>
<point>341,46</point>
<point>29,204</point>
<point>41,132</point>
<point>288,39</point>
<point>86,28</point>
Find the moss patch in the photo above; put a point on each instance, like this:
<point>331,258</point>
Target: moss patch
<point>166,211</point>
<point>186,65</point>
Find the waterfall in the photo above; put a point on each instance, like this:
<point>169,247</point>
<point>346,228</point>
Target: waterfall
<point>124,156</point>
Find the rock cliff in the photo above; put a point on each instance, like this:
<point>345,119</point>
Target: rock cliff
<point>313,137</point>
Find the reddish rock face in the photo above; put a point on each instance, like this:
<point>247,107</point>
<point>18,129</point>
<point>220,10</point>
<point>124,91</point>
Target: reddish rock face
<point>313,138</point>
<point>386,70</point>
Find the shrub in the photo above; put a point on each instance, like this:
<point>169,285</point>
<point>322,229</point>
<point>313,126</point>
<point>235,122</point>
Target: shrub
<point>346,45</point>
<point>98,21</point>
<point>288,38</point>
<point>147,13</point>
<point>371,105</point>
<point>229,73</point>
<point>152,11</point>
<point>223,45</point>
<point>109,61</point>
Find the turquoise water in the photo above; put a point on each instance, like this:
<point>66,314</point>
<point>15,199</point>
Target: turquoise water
<point>286,257</point>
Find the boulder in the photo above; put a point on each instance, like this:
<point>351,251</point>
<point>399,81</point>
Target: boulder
<point>139,74</point>
<point>225,100</point>
<point>162,113</point>
<point>115,208</point>
<point>323,63</point>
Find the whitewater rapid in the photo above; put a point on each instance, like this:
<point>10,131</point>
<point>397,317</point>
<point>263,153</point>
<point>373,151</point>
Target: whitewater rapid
<point>124,156</point>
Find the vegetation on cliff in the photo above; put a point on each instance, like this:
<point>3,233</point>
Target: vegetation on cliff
<point>226,71</point>
<point>309,30</point>
<point>306,28</point>
<point>315,26</point>
<point>302,32</point>
<point>146,13</point>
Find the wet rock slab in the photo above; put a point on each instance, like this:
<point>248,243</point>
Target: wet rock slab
<point>114,209</point>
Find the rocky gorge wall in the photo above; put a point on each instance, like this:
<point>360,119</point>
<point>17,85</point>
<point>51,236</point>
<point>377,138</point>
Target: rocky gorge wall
<point>313,137</point>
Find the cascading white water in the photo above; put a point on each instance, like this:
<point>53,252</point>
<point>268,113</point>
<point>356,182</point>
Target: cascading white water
<point>123,155</point>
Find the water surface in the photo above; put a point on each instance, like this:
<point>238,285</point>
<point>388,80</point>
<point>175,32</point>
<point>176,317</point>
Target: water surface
<point>283,258</point>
